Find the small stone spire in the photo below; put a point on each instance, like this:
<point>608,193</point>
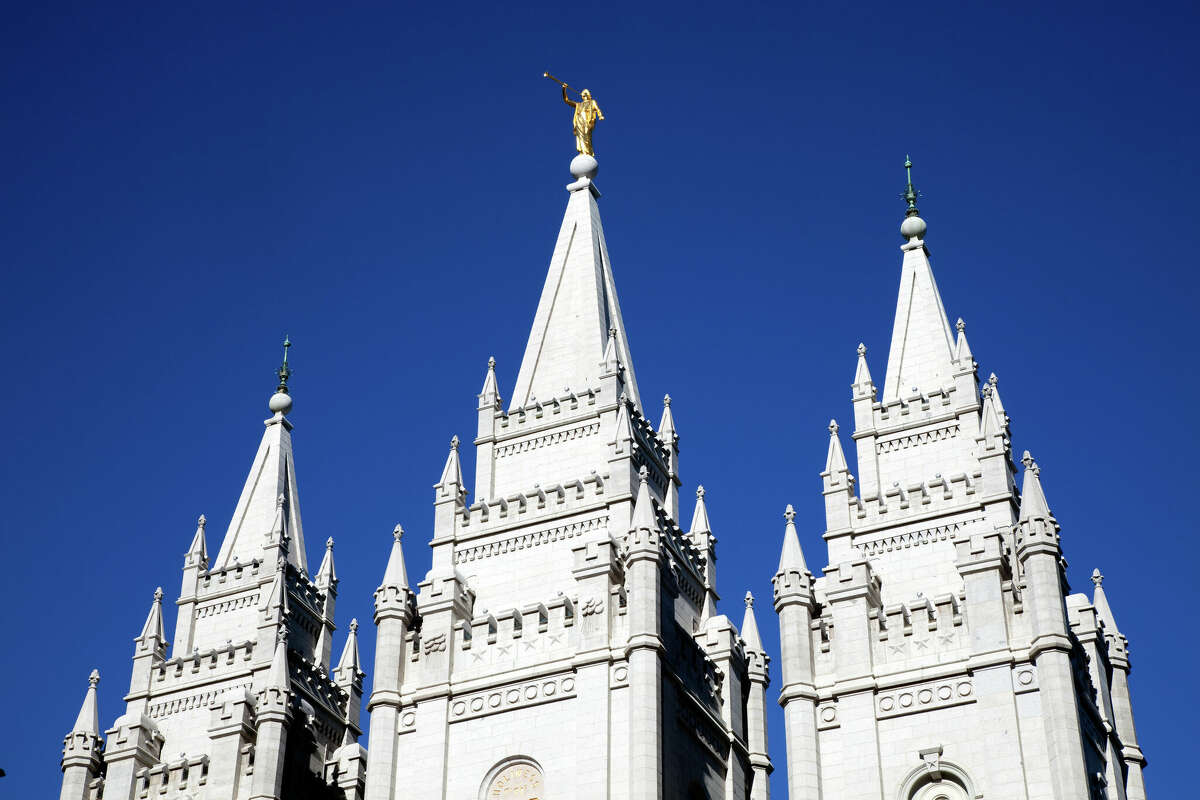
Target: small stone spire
<point>994,384</point>
<point>835,459</point>
<point>452,472</point>
<point>326,574</point>
<point>153,629</point>
<point>1103,610</point>
<point>88,720</point>
<point>489,395</point>
<point>1033,499</point>
<point>277,677</point>
<point>348,665</point>
<point>197,554</point>
<point>281,401</point>
<point>750,632</point>
<point>962,350</point>
<point>611,360</point>
<point>666,426</point>
<point>700,515</point>
<point>792,557</point>
<point>644,517</point>
<point>395,575</point>
<point>863,383</point>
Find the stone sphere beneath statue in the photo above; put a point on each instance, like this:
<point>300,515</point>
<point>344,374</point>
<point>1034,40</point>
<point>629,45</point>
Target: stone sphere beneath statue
<point>281,403</point>
<point>584,166</point>
<point>912,228</point>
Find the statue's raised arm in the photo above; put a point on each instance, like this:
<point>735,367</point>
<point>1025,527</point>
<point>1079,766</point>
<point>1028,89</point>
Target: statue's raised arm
<point>567,99</point>
<point>585,116</point>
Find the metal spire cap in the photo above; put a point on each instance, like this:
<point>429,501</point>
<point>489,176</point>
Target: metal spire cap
<point>913,226</point>
<point>281,401</point>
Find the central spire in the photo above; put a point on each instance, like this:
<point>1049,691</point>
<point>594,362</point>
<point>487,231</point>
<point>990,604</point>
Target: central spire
<point>578,306</point>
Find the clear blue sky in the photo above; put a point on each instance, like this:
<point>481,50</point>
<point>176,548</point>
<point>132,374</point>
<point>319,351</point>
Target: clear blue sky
<point>384,183</point>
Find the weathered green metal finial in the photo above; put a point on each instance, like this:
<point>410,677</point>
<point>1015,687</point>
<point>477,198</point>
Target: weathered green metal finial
<point>284,372</point>
<point>910,194</point>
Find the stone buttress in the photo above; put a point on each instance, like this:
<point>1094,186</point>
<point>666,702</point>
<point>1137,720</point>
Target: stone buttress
<point>243,705</point>
<point>565,642</point>
<point>940,654</point>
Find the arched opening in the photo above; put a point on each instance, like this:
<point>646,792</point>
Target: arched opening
<point>937,780</point>
<point>514,778</point>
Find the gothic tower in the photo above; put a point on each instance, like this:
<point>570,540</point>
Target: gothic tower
<point>245,707</point>
<point>566,641</point>
<point>940,653</point>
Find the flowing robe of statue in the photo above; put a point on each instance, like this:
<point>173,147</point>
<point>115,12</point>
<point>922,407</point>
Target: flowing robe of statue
<point>586,114</point>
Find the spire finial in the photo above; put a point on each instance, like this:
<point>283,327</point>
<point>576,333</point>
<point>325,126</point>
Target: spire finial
<point>354,625</point>
<point>700,491</point>
<point>666,401</point>
<point>862,349</point>
<point>1097,578</point>
<point>281,401</point>
<point>329,543</point>
<point>454,442</point>
<point>913,226</point>
<point>833,427</point>
<point>643,474</point>
<point>158,595</point>
<point>789,513</point>
<point>492,363</point>
<point>749,600</point>
<point>960,325</point>
<point>94,678</point>
<point>398,532</point>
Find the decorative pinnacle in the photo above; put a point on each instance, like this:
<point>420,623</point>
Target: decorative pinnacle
<point>158,595</point>
<point>962,326</point>
<point>667,400</point>
<point>992,379</point>
<point>833,427</point>
<point>282,636</point>
<point>354,625</point>
<point>329,543</point>
<point>397,532</point>
<point>699,491</point>
<point>1027,460</point>
<point>789,513</point>
<point>492,363</point>
<point>94,678</point>
<point>910,194</point>
<point>1097,578</point>
<point>643,474</point>
<point>454,442</point>
<point>284,372</point>
<point>749,600</point>
<point>202,521</point>
<point>862,349</point>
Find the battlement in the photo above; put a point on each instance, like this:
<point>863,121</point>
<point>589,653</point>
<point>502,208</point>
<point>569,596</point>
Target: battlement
<point>235,576</point>
<point>200,668</point>
<point>489,516</point>
<point>183,777</point>
<point>899,412</point>
<point>520,419</point>
<point>912,499</point>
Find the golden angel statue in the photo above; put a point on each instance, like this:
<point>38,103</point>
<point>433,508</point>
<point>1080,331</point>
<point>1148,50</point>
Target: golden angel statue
<point>586,115</point>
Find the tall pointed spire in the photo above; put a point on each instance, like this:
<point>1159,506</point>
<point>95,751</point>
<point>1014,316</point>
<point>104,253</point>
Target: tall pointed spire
<point>791,557</point>
<point>1033,499</point>
<point>863,383</point>
<point>700,514</point>
<point>272,475</point>
<point>88,720</point>
<point>962,350</point>
<point>750,627</point>
<point>666,426</point>
<point>922,352</point>
<point>577,308</point>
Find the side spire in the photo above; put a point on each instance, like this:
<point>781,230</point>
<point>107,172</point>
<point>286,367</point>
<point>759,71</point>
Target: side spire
<point>395,575</point>
<point>1033,499</point>
<point>489,395</point>
<point>452,472</point>
<point>863,383</point>
<point>153,628</point>
<point>750,627</point>
<point>962,350</point>
<point>922,355</point>
<point>1103,610</point>
<point>349,665</point>
<point>326,574</point>
<point>577,308</point>
<point>791,557</point>
<point>700,522</point>
<point>835,459</point>
<point>88,720</point>
<point>197,554</point>
<point>644,517</point>
<point>666,426</point>
<point>272,475</point>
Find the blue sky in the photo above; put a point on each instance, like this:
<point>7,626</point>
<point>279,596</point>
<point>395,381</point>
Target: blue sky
<point>184,184</point>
